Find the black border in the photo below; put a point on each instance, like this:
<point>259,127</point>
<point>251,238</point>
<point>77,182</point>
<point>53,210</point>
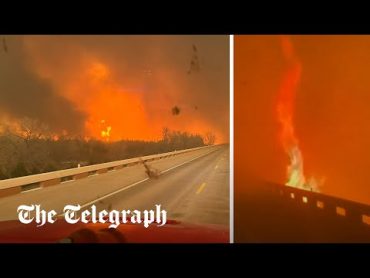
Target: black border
<point>111,26</point>
<point>208,255</point>
<point>182,18</point>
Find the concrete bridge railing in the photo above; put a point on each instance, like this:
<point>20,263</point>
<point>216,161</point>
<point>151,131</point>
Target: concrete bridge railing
<point>349,210</point>
<point>25,183</point>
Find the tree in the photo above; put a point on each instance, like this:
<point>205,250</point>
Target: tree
<point>33,129</point>
<point>209,138</point>
<point>165,134</point>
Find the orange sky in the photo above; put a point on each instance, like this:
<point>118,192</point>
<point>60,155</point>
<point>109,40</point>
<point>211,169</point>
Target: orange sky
<point>332,115</point>
<point>128,84</point>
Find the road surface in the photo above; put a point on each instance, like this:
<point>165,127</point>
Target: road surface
<point>192,187</point>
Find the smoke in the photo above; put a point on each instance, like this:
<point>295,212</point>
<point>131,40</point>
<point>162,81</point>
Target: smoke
<point>133,82</point>
<point>24,94</point>
<point>332,112</point>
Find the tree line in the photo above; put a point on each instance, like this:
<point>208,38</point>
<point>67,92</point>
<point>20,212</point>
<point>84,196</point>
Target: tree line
<point>32,150</point>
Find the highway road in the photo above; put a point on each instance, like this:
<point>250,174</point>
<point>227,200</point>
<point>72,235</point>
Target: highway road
<point>193,187</point>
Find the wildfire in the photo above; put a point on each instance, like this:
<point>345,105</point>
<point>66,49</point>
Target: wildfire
<point>108,100</point>
<point>105,133</point>
<point>135,104</point>
<point>285,113</point>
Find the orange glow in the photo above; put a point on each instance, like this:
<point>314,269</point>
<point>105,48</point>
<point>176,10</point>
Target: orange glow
<point>133,109</point>
<point>285,113</point>
<point>330,116</point>
<point>105,99</point>
<point>105,133</point>
<point>286,98</point>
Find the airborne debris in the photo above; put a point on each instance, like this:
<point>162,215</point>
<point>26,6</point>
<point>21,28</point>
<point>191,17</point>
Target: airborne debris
<point>5,47</point>
<point>150,171</point>
<point>194,63</point>
<point>176,110</point>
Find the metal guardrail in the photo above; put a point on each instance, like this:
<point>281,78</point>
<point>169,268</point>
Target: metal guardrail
<point>349,210</point>
<point>17,185</point>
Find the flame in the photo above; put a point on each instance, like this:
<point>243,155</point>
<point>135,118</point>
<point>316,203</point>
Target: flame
<point>136,105</point>
<point>105,133</point>
<point>285,113</point>
<point>102,97</point>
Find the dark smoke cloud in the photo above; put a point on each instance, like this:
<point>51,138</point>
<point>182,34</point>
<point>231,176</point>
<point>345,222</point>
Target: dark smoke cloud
<point>24,94</point>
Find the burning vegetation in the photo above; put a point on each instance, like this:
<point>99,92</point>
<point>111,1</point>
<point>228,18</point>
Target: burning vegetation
<point>115,88</point>
<point>106,129</point>
<point>106,99</point>
<point>29,147</point>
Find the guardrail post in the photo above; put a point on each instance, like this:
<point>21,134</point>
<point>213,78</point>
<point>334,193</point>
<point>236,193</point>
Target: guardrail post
<point>9,191</point>
<point>81,175</point>
<point>50,182</point>
<point>102,171</point>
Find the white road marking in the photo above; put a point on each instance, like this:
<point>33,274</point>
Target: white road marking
<point>114,192</point>
<point>34,189</point>
<point>136,183</point>
<point>200,189</point>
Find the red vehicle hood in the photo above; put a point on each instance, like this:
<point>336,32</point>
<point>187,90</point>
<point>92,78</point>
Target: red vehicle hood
<point>172,232</point>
